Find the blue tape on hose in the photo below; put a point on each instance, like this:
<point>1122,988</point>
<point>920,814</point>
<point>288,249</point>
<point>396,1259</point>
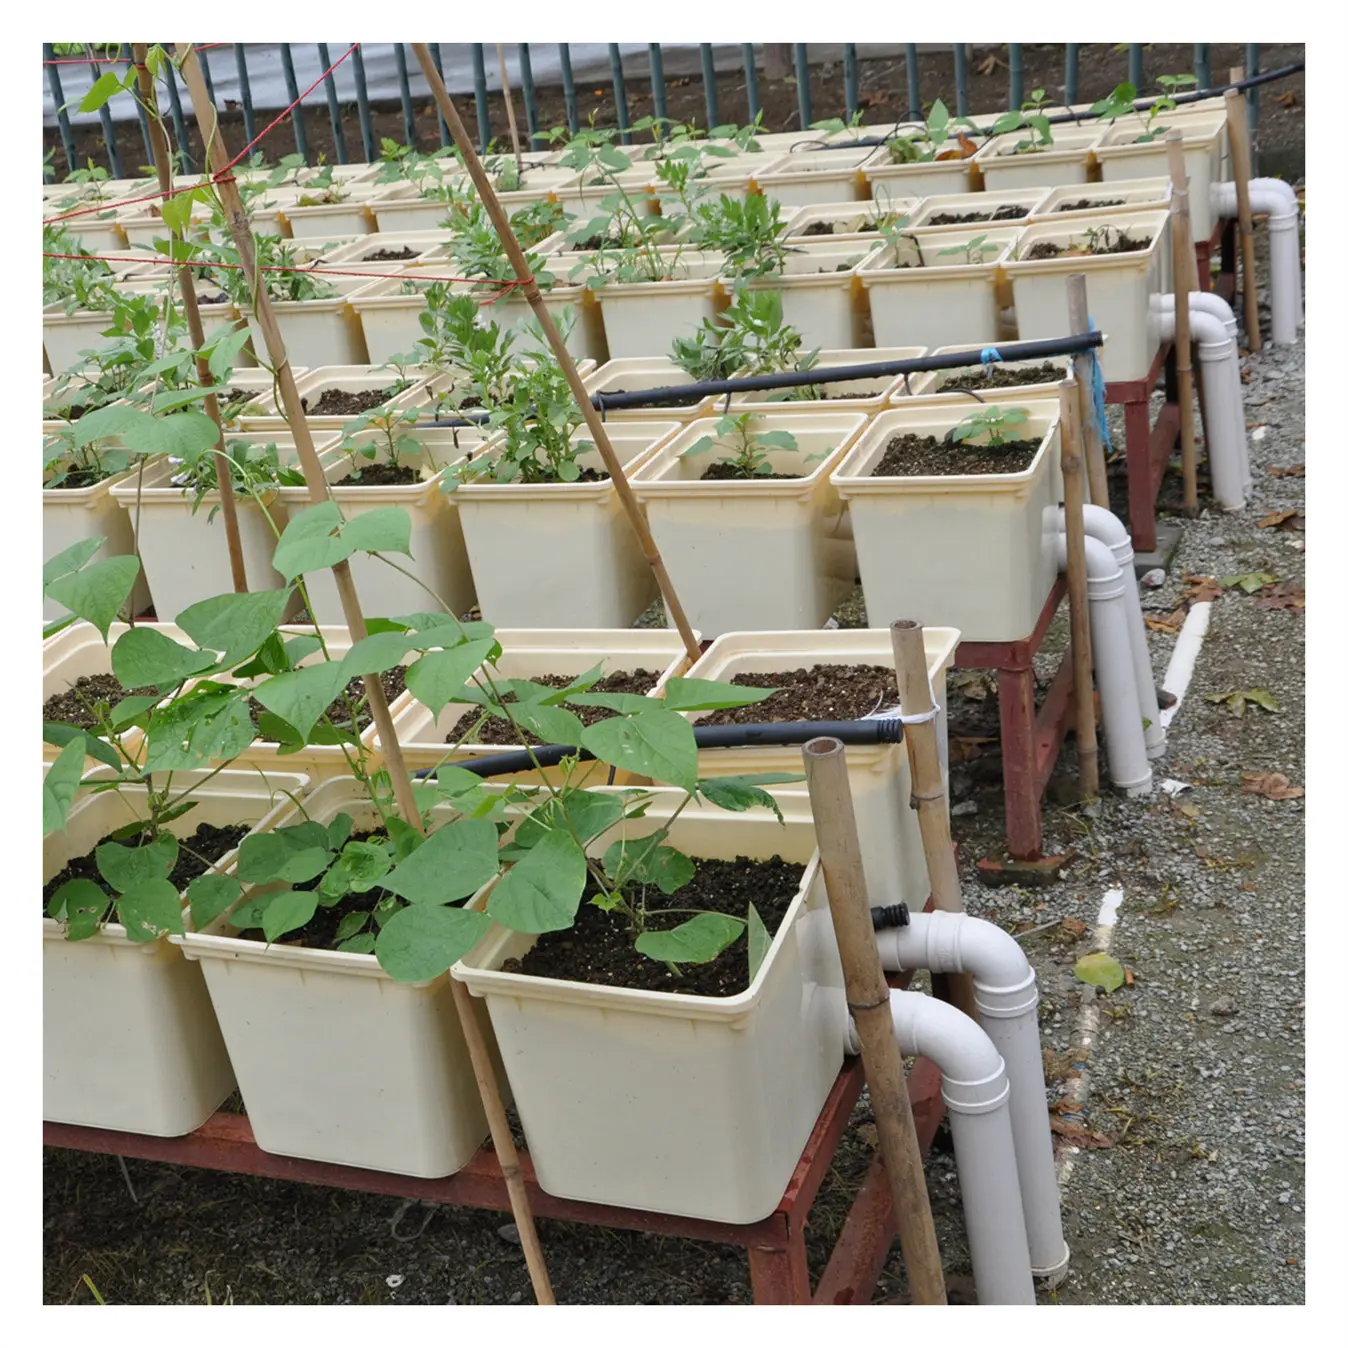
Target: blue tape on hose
<point>989,354</point>
<point>1098,396</point>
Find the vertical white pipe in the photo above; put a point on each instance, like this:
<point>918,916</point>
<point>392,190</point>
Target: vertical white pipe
<point>1277,200</point>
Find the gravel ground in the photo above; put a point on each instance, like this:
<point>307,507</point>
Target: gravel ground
<point>1193,1188</point>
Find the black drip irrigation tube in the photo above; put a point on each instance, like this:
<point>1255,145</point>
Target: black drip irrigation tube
<point>874,730</point>
<point>951,360</point>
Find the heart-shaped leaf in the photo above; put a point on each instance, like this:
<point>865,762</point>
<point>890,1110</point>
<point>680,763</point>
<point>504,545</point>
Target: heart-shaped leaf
<point>542,891</point>
<point>144,658</point>
<point>59,785</point>
<point>234,624</point>
<point>301,696</point>
<point>151,909</point>
<point>696,941</point>
<point>454,862</point>
<point>659,745</point>
<point>419,943</point>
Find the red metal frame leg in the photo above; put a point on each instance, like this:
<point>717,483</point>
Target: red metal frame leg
<point>1141,488</point>
<point>1020,766</point>
<point>778,1270</point>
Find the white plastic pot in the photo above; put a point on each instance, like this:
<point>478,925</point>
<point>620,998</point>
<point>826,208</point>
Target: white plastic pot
<point>1119,287</point>
<point>636,374</point>
<point>527,654</point>
<point>561,554</point>
<point>312,384</point>
<point>1067,160</point>
<point>697,1106</point>
<point>819,296</point>
<point>975,551</point>
<point>891,179</point>
<point>879,776</point>
<point>317,332</point>
<point>129,1039</point>
<point>1146,194</point>
<point>811,177</point>
<point>932,382</point>
<point>349,216</point>
<point>984,203</point>
<point>1122,158</point>
<point>753,554</point>
<point>851,395</point>
<point>849,220</point>
<point>643,318</point>
<point>946,300</point>
<point>335,1060</point>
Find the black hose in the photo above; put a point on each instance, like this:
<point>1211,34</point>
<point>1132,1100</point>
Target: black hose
<point>877,730</point>
<point>1006,351</point>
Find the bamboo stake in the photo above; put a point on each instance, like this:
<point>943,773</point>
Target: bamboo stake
<point>928,787</point>
<point>1088,755</point>
<point>510,108</point>
<point>1186,282</point>
<point>1078,314</point>
<point>1238,129</point>
<point>314,479</point>
<point>163,162</point>
<point>868,1000</point>
<point>529,288</point>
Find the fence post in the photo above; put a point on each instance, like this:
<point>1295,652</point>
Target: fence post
<point>441,125</point>
<point>59,98</point>
<point>530,95</point>
<point>910,66</point>
<point>1252,102</point>
<point>480,97</point>
<point>961,80</point>
<point>246,90</point>
<point>851,80</point>
<point>179,126</point>
<point>803,84</point>
<point>709,89</point>
<point>750,78</point>
<point>615,61</point>
<point>141,117</point>
<point>1069,94</point>
<point>1135,64</point>
<point>569,87</point>
<point>334,107</point>
<point>363,107</point>
<point>292,94</point>
<point>405,96</point>
<point>109,131</point>
<point>1203,64</point>
<point>1016,65</point>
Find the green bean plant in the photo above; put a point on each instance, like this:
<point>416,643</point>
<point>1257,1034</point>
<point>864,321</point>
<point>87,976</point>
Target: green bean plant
<point>1121,103</point>
<point>989,425</point>
<point>748,449</point>
<point>75,283</point>
<point>749,231</point>
<point>927,143</point>
<point>1033,118</point>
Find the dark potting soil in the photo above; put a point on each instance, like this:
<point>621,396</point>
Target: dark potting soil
<point>196,855</point>
<point>497,730</point>
<point>690,400</point>
<point>1085,204</point>
<point>73,707</point>
<point>819,693</point>
<point>339,709</point>
<point>730,472</point>
<point>1045,249</point>
<point>599,948</point>
<point>999,376</point>
<point>390,255</point>
<point>926,456</point>
<point>221,298</point>
<point>335,402</point>
<point>380,475</point>
<point>73,481</point>
<point>1006,212</point>
<point>818,227</point>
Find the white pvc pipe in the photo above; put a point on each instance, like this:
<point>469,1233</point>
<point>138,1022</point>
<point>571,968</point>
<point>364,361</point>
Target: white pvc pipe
<point>1224,406</point>
<point>1277,200</point>
<point>977,1096</point>
<point>1182,659</point>
<point>1112,656</point>
<point>1109,530</point>
<point>1007,1000</point>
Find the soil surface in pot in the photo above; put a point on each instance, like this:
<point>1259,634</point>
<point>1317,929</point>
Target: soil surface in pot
<point>731,472</point>
<point>390,255</point>
<point>999,376</point>
<point>339,709</point>
<point>926,456</point>
<point>1045,248</point>
<point>336,402</point>
<point>690,400</point>
<point>74,706</point>
<point>197,853</point>
<point>221,298</point>
<point>599,949</point>
<point>1086,204</point>
<point>819,693</point>
<point>1007,212</point>
<point>496,730</point>
<point>818,227</point>
<point>381,475</point>
<point>76,479</point>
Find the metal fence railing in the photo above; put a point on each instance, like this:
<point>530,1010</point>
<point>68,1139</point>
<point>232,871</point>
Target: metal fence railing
<point>915,92</point>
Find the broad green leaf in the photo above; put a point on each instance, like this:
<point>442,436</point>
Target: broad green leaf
<point>80,904</point>
<point>659,745</point>
<point>59,785</point>
<point>742,793</point>
<point>209,896</point>
<point>288,911</point>
<point>777,439</point>
<point>103,423</point>
<point>454,862</point>
<point>361,866</point>
<point>404,837</point>
<point>629,704</point>
<point>375,654</point>
<point>143,657</point>
<point>542,891</point>
<point>281,855</point>
<point>208,725</point>
<point>710,695</point>
<point>132,711</point>
<point>303,695</point>
<point>248,915</point>
<point>553,725</point>
<point>103,88</point>
<point>311,541</point>
<point>439,676</point>
<point>587,812</point>
<point>1100,971</point>
<point>351,924</point>
<point>53,732</point>
<point>177,211</point>
<point>362,943</point>
<point>97,591</point>
<point>419,943</point>
<point>71,558</point>
<point>636,861</point>
<point>125,867</point>
<point>225,350</point>
<point>236,625</point>
<point>759,943</point>
<point>388,529</point>
<point>696,941</point>
<point>151,909</point>
<point>339,830</point>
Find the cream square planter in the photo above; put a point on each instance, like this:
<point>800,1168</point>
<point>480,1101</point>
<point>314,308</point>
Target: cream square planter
<point>1067,160</point>
<point>697,1106</point>
<point>811,176</point>
<point>351,215</point>
<point>1119,287</point>
<point>935,299</point>
<point>1123,158</point>
<point>318,332</point>
<point>753,554</point>
<point>636,374</point>
<point>1065,203</point>
<point>819,298</point>
<point>527,653</point>
<point>975,552</point>
<point>643,318</point>
<point>1006,209</point>
<point>891,178</point>
<point>879,776</point>
<point>336,1061</point>
<point>851,395</point>
<point>850,220</point>
<point>561,554</point>
<point>101,233</point>
<point>129,1038</point>
<point>270,419</point>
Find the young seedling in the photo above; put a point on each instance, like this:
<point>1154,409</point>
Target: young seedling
<point>973,251</point>
<point>990,425</point>
<point>1121,102</point>
<point>749,449</point>
<point>750,337</point>
<point>927,144</point>
<point>1033,118</point>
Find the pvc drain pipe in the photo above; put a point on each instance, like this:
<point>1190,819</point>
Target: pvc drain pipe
<point>977,1094</point>
<point>1277,200</point>
<point>1112,654</point>
<point>1109,530</point>
<point>1007,999</point>
<point>1219,368</point>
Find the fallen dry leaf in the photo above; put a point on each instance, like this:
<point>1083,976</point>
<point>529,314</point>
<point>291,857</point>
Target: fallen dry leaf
<point>1293,470</point>
<point>1270,785</point>
<point>1288,99</point>
<point>1074,927</point>
<point>989,64</point>
<point>965,748</point>
<point>869,1134</point>
<point>1082,1137</point>
<point>1288,595</point>
<point>1172,622</point>
<point>1282,519</point>
<point>1129,977</point>
<point>1203,589</point>
<point>972,684</point>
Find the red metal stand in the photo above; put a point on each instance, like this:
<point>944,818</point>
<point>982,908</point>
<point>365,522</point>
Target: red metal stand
<point>1147,447</point>
<point>1030,741</point>
<point>1225,237</point>
<point>778,1271</point>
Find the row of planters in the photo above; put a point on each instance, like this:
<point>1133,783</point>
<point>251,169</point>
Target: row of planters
<point>636,946</point>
